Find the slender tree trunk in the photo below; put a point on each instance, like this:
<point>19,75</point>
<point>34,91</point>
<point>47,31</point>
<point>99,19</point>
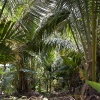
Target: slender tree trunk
<point>39,85</point>
<point>93,41</point>
<point>23,83</point>
<point>47,85</point>
<point>98,68</point>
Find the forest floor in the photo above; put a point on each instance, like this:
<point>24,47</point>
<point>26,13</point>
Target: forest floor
<point>56,96</point>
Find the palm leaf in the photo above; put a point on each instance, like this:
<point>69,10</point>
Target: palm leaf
<point>6,81</point>
<point>94,85</point>
<point>3,7</point>
<point>29,71</point>
<point>60,43</point>
<point>51,22</point>
<point>4,33</point>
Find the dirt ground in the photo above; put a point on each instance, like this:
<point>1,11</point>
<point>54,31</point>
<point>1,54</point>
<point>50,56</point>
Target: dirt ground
<point>57,96</point>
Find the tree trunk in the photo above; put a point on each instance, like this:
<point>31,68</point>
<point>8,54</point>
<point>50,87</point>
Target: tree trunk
<point>23,82</point>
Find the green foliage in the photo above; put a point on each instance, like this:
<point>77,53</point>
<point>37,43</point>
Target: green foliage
<point>3,7</point>
<point>6,81</point>
<point>49,23</point>
<point>5,55</point>
<point>24,41</point>
<point>29,71</point>
<point>1,72</point>
<point>94,85</point>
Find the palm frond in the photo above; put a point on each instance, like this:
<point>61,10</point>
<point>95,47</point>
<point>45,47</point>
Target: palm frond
<point>4,59</point>
<point>60,43</point>
<point>29,71</point>
<point>3,7</point>
<point>15,8</point>
<point>6,81</point>
<point>48,24</point>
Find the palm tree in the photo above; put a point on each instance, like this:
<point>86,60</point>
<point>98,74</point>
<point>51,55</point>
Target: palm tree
<point>82,23</point>
<point>50,16</point>
<point>78,24</point>
<point>10,30</point>
<point>12,35</point>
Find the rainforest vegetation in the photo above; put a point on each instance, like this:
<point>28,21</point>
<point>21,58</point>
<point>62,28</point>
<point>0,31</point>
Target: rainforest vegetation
<point>50,49</point>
